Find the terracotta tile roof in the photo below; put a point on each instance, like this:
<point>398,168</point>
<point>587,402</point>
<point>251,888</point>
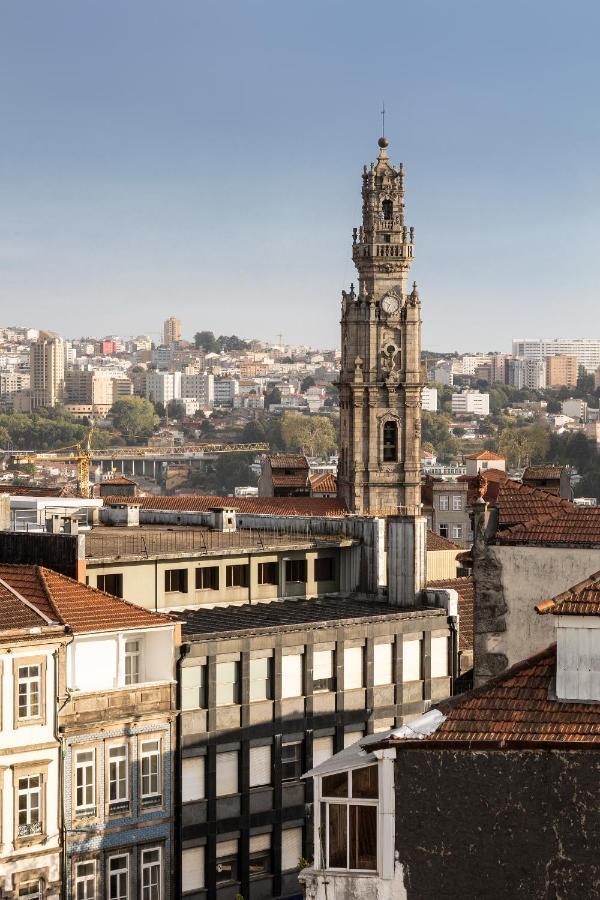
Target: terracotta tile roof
<point>25,491</point>
<point>326,483</point>
<point>518,503</point>
<point>437,542</point>
<point>581,600</point>
<point>275,506</point>
<point>571,527</point>
<point>14,614</point>
<point>465,588</point>
<point>516,709</point>
<point>121,501</point>
<point>543,473</point>
<point>285,461</point>
<point>295,480</point>
<point>118,479</point>
<point>485,454</point>
<point>69,602</point>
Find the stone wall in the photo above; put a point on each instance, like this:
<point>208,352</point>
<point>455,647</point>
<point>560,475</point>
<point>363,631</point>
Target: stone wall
<point>498,824</point>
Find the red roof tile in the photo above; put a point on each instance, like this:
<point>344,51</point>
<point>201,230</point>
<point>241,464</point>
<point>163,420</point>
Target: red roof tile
<point>543,473</point>
<point>274,506</point>
<point>465,588</point>
<point>326,483</point>
<point>517,503</point>
<point>485,454</point>
<point>437,542</point>
<point>569,526</point>
<point>286,461</point>
<point>516,708</point>
<point>68,602</point>
<point>295,480</point>
<point>582,599</point>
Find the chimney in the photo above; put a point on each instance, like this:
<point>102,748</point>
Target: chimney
<point>224,518</point>
<point>406,559</point>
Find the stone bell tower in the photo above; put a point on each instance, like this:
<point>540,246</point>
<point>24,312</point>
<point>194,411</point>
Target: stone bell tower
<point>380,382</point>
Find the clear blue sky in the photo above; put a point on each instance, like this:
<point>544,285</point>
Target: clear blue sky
<point>202,158</point>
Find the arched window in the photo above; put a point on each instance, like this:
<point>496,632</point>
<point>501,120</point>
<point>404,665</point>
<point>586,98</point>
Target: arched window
<point>390,442</point>
<point>387,208</point>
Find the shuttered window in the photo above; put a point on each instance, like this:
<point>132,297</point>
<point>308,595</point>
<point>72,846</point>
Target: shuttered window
<point>260,679</point>
<point>291,848</point>
<point>382,670</point>
<point>192,778</point>
<point>439,656</point>
<point>322,749</point>
<point>228,683</point>
<point>353,668</point>
<point>351,737</point>
<point>192,869</point>
<point>291,675</point>
<point>192,687</point>
<point>260,765</point>
<point>227,773</point>
<point>323,679</point>
<point>412,659</point>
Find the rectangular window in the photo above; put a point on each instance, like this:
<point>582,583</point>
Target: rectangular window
<point>443,501</point>
<point>227,773</point>
<point>323,678</point>
<point>439,657</point>
<point>291,848</point>
<point>291,761</point>
<point>111,584</point>
<point>260,854</point>
<point>85,782</point>
<point>29,800</point>
<point>268,573</point>
<point>227,856</point>
<point>349,819</point>
<point>353,668</point>
<point>118,780</point>
<point>151,874</point>
<point>192,778</point>
<point>133,650</point>
<point>237,576</point>
<point>260,766</point>
<point>151,782</point>
<point>325,568</point>
<point>291,675</point>
<point>295,571</point>
<point>29,692</point>
<point>176,580</point>
<point>207,578</point>
<point>456,502</point>
<point>322,749</point>
<point>382,664</point>
<point>193,687</point>
<point>444,530</point>
<point>228,683</point>
<point>411,665</point>
<point>260,679</point>
<point>85,880</point>
<point>118,878</point>
<point>31,890</point>
<point>192,869</point>
<point>457,532</point>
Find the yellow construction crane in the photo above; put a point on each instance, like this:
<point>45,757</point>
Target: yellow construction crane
<point>79,453</point>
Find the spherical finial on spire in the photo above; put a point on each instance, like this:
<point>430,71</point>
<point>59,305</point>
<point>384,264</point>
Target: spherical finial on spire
<point>383,142</point>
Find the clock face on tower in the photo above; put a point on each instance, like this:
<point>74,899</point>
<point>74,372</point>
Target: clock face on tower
<point>389,304</point>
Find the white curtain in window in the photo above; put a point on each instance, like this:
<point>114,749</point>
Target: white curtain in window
<point>192,869</point>
<point>382,673</point>
<point>192,778</point>
<point>291,675</point>
<point>439,656</point>
<point>322,749</point>
<point>412,659</point>
<point>191,680</point>
<point>353,668</point>
<point>227,773</point>
<point>322,664</point>
<point>291,848</point>
<point>260,765</point>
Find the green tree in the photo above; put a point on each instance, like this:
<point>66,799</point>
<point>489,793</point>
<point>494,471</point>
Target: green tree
<point>436,432</point>
<point>205,340</point>
<point>312,435</point>
<point>272,397</point>
<point>307,382</point>
<point>134,417</point>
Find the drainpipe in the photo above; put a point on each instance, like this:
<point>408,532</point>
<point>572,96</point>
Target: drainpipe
<point>156,584</point>
<point>184,650</point>
<point>453,624</point>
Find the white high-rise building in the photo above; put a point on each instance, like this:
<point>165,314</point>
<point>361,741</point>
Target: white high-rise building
<point>527,373</point>
<point>586,351</point>
<point>162,387</point>
<point>47,366</point>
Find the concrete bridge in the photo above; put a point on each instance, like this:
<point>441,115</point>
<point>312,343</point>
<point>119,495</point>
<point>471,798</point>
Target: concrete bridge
<point>150,461</point>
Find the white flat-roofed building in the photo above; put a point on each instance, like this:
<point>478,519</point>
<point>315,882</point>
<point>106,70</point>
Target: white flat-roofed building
<point>471,403</point>
<point>429,399</point>
<point>586,350</point>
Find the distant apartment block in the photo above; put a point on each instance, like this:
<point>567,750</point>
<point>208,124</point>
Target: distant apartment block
<point>527,373</point>
<point>47,365</point>
<point>471,403</point>
<point>576,409</point>
<point>586,351</point>
<point>171,331</point>
<point>429,399</point>
<point>562,371</point>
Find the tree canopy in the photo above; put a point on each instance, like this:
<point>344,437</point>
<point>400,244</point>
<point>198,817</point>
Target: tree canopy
<point>135,418</point>
<point>312,435</point>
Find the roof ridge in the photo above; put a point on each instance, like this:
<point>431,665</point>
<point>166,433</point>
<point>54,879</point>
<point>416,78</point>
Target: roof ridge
<point>41,571</point>
<point>571,593</point>
<point>25,601</point>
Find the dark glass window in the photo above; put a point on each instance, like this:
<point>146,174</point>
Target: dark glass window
<point>390,442</point>
<point>176,580</point>
<point>387,208</point>
<point>291,762</point>
<point>207,578</point>
<point>111,584</point>
<point>295,570</point>
<point>325,568</point>
<point>236,576</point>
<point>267,573</point>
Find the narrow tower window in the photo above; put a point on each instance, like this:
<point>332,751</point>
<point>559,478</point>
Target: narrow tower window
<point>387,208</point>
<point>390,442</point>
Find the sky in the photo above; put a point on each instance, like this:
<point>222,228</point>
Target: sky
<point>203,158</point>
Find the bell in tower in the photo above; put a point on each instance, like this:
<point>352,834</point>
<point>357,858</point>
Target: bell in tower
<point>380,381</point>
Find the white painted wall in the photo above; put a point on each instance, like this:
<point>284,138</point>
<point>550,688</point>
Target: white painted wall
<point>96,662</point>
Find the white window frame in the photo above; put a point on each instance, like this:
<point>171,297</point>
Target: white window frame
<point>146,756</point>
<point>30,683</point>
<point>83,769</point>
<point>122,760</point>
<point>122,870</point>
<point>347,802</point>
<point>85,880</point>
<point>31,890</point>
<point>443,502</point>
<point>227,690</point>
<point>132,674</point>
<point>457,532</point>
<point>148,870</point>
<point>265,681</point>
<point>456,502</point>
<point>34,824</point>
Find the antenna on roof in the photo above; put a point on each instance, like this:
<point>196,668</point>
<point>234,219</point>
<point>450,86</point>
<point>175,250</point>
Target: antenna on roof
<point>382,118</point>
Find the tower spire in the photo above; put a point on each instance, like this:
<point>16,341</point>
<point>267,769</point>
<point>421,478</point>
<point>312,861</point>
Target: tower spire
<point>382,119</point>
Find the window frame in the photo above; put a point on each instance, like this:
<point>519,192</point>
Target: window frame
<point>390,445</point>
<point>84,810</point>
<point>348,802</point>
<point>30,835</point>
<point>146,868</point>
<point>268,573</point>
<point>233,695</point>
<point>457,503</point>
<point>237,572</point>
<point>319,563</point>
<point>125,870</point>
<point>266,680</point>
<point>228,858</point>
<point>213,573</point>
<point>296,567</point>
<point>84,880</point>
<point>444,502</point>
<point>265,853</point>
<point>326,684</point>
<point>297,761</point>
<point>151,798</point>
<point>119,583</point>
<point>27,663</point>
<point>129,656</point>
<point>179,575</point>
<point>201,688</point>
<point>119,804</point>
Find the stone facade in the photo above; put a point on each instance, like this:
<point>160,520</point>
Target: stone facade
<point>380,381</point>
